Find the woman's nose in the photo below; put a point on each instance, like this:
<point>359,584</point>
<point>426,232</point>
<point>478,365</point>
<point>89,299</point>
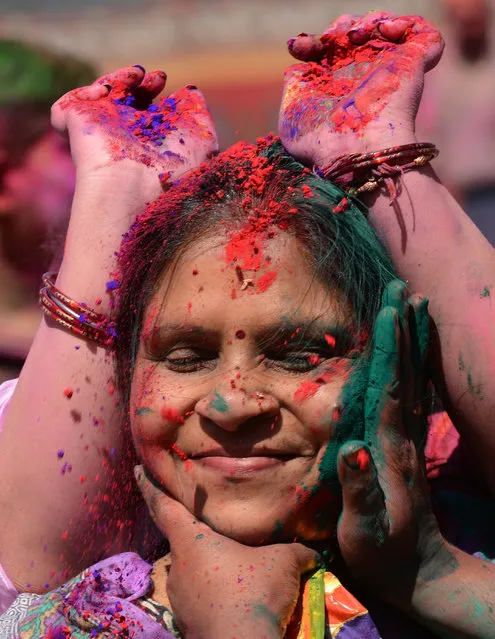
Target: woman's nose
<point>230,407</point>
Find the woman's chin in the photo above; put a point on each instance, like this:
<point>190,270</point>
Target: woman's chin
<point>257,529</point>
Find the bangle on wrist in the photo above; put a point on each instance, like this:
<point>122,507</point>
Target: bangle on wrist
<point>73,316</point>
<point>364,172</point>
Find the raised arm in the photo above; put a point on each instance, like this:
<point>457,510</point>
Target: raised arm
<point>66,487</point>
<point>358,90</point>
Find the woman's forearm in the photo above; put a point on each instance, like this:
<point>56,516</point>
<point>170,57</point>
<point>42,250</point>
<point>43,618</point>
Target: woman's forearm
<point>62,440</point>
<point>460,604</point>
<point>442,255</point>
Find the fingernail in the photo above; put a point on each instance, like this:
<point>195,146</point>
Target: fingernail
<point>108,86</point>
<point>357,460</point>
<point>191,87</point>
<point>138,66</point>
<point>302,35</point>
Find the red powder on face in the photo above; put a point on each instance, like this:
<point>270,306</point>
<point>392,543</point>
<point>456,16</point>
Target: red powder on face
<point>68,392</point>
<point>178,451</point>
<point>171,415</point>
<point>265,281</point>
<point>244,249</point>
<point>306,390</point>
<point>330,340</point>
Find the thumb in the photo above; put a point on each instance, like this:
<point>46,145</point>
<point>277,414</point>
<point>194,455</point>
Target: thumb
<point>306,558</point>
<point>73,100</point>
<point>364,516</point>
<point>171,518</point>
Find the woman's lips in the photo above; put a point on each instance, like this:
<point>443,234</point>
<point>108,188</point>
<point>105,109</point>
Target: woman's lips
<point>240,466</point>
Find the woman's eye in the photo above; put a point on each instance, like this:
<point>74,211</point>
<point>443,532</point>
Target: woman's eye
<point>189,360</point>
<point>295,362</point>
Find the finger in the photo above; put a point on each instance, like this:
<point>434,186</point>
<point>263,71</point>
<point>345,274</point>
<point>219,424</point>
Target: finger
<point>366,27</point>
<point>420,325</point>
<point>427,38</point>
<point>340,27</point>
<point>394,29</point>
<point>63,104</point>
<point>172,519</point>
<point>394,296</point>
<point>393,451</point>
<point>383,386</point>
<point>142,96</point>
<point>412,382</point>
<point>152,85</point>
<point>129,77</point>
<point>308,48</point>
<point>419,328</point>
<point>371,22</point>
<point>364,516</point>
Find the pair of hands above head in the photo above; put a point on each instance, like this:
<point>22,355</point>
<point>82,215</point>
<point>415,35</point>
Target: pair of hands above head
<point>357,87</point>
<point>387,535</point>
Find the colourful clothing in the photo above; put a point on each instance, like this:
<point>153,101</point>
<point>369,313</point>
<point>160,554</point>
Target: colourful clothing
<point>100,602</point>
<point>112,599</point>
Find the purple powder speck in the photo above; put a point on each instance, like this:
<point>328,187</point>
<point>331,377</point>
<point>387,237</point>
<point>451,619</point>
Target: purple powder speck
<point>112,285</point>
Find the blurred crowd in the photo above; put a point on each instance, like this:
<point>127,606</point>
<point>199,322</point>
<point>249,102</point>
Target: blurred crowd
<point>37,176</point>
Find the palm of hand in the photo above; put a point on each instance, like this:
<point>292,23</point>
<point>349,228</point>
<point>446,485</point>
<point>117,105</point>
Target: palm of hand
<point>115,120</point>
<point>361,81</point>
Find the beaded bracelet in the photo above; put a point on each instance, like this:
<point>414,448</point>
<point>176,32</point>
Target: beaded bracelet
<point>73,316</point>
<point>363,172</point>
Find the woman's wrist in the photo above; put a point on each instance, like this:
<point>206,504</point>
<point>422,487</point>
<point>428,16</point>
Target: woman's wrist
<point>103,208</point>
<point>345,144</point>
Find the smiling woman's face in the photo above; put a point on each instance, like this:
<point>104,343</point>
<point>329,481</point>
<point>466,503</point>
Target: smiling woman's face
<point>236,388</point>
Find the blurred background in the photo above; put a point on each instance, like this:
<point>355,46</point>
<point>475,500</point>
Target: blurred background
<point>235,52</point>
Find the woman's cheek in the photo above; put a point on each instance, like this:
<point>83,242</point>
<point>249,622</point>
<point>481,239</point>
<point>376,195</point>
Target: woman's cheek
<point>317,401</point>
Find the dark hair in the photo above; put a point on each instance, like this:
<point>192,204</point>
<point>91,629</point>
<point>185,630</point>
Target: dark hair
<point>250,190</point>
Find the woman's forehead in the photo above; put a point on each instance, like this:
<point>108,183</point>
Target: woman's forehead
<point>207,285</point>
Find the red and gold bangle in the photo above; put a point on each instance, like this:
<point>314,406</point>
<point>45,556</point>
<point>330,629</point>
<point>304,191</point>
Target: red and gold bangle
<point>364,172</point>
<point>73,316</point>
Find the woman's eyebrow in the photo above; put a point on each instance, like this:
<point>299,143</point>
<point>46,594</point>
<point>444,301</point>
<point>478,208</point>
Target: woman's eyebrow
<point>168,329</point>
<point>305,331</point>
